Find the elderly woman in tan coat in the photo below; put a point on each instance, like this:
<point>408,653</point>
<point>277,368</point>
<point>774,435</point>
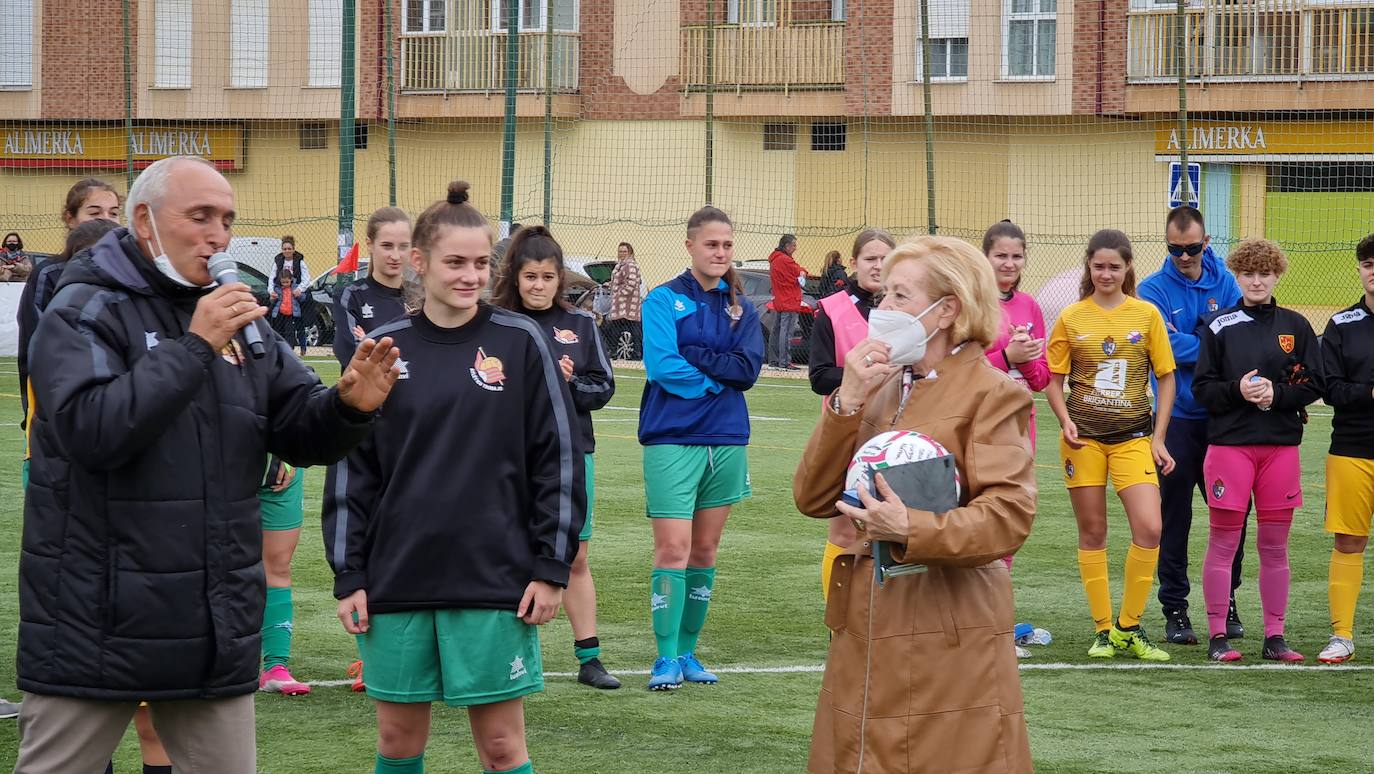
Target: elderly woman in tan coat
<point>922,675</point>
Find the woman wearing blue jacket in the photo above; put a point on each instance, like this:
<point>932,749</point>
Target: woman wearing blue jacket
<point>703,347</point>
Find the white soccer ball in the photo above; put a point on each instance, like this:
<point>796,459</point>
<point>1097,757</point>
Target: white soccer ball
<point>895,447</point>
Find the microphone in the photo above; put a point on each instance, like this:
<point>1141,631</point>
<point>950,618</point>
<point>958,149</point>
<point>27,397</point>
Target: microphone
<point>225,272</point>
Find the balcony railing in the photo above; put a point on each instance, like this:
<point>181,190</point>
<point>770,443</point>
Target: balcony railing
<point>475,60</point>
<point>803,55</point>
<point>1270,39</point>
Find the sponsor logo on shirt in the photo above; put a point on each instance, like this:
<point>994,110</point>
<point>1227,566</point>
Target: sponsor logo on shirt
<point>1286,341</point>
<point>366,311</point>
<point>1227,320</point>
<point>404,366</point>
<point>1109,345</point>
<point>1354,315</point>
<point>1135,337</point>
<point>487,372</point>
<point>565,336</point>
<point>678,306</point>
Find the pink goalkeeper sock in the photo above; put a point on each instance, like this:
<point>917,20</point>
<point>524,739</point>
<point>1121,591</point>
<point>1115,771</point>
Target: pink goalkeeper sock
<point>1222,544</point>
<point>1274,575</point>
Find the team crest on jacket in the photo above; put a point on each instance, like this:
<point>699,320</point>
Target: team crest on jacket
<point>1286,342</point>
<point>1211,304</point>
<point>1135,337</point>
<point>1218,489</point>
<point>487,372</point>
<point>565,336</point>
<point>232,353</point>
<point>1109,345</point>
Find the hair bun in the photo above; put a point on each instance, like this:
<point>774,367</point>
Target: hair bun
<point>458,192</point>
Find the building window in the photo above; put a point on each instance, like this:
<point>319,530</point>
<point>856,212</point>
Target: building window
<point>948,40</point>
<point>16,40</point>
<point>948,58</point>
<point>360,133</point>
<point>424,15</point>
<point>248,38</point>
<point>1029,32</point>
<point>758,13</point>
<point>827,136</point>
<point>533,15</point>
<point>314,135</point>
<point>1321,177</point>
<point>326,42</point>
<point>172,44</point>
<point>779,137</point>
<point>837,10</point>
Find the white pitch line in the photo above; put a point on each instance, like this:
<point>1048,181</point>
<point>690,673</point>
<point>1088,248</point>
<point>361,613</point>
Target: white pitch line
<point>1025,667</point>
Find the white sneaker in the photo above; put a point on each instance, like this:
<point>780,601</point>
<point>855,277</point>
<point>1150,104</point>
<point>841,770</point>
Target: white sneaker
<point>1337,651</point>
<point>1022,652</point>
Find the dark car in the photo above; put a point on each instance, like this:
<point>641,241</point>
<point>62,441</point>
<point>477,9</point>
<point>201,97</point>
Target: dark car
<point>758,286</point>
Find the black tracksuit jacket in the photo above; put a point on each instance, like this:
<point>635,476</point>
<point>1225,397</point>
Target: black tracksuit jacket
<point>825,374</point>
<point>1277,342</point>
<point>140,575</point>
<point>472,484</point>
<point>1348,363</point>
<point>573,332</point>
<point>367,304</point>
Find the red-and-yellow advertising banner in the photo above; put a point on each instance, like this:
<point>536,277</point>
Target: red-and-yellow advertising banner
<point>107,147</point>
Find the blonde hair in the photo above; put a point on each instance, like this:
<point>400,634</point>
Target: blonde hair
<point>956,268</point>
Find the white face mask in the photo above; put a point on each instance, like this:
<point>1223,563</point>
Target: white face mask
<point>905,334</point>
<point>163,263</point>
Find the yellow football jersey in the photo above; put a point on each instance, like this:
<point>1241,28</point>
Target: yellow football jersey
<point>1107,357</point>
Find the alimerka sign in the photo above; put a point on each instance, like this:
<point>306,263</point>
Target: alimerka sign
<point>107,147</point>
<point>1265,138</point>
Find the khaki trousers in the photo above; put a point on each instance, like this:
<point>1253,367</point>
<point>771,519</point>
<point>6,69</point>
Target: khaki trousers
<point>60,735</point>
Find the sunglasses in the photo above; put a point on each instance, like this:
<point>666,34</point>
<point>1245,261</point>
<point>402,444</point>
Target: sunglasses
<point>1193,250</point>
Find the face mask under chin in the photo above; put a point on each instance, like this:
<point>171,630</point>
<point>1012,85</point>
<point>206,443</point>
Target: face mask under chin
<point>164,264</point>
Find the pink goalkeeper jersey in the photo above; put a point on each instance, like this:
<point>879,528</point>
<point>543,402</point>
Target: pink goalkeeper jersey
<point>1019,311</point>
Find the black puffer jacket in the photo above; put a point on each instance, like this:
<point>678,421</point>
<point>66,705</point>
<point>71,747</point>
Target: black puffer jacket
<point>140,575</point>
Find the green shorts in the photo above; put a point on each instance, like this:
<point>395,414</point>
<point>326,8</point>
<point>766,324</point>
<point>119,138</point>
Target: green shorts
<point>285,509</point>
<point>681,480</point>
<point>461,657</point>
<point>586,533</point>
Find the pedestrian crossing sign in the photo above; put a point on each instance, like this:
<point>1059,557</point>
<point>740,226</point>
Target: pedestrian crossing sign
<point>1177,195</point>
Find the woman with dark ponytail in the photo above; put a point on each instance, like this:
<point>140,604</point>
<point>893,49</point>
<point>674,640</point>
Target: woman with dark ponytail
<point>703,348</point>
<point>452,529</point>
<point>532,283</point>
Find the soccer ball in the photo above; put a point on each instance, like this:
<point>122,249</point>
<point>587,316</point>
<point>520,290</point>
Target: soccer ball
<point>895,447</point>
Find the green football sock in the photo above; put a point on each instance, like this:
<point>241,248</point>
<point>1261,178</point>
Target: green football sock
<point>700,581</point>
<point>387,765</point>
<point>587,649</point>
<point>276,627</point>
<point>668,590</point>
<point>525,768</point>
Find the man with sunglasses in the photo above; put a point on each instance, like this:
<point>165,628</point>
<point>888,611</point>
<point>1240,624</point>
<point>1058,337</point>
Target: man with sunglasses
<point>1193,283</point>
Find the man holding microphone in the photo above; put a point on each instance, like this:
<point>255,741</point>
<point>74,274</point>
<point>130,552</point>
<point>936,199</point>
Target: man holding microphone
<point>141,575</point>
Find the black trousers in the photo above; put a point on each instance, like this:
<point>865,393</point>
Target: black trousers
<point>624,339</point>
<point>290,328</point>
<point>1187,443</point>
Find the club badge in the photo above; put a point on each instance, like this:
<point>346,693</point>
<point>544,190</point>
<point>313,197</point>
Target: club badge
<point>1068,468</point>
<point>1286,342</point>
<point>1109,345</point>
<point>487,372</point>
<point>565,336</point>
<point>1218,489</point>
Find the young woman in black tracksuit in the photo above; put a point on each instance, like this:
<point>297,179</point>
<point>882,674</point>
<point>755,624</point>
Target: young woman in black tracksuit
<point>532,283</point>
<point>374,300</point>
<point>452,530</point>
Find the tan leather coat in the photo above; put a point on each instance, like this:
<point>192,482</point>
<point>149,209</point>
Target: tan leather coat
<point>922,675</point>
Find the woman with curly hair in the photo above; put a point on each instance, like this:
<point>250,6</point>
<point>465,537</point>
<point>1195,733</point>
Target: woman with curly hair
<point>1258,367</point>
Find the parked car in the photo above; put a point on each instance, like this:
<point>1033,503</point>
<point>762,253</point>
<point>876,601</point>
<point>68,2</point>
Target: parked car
<point>758,287</point>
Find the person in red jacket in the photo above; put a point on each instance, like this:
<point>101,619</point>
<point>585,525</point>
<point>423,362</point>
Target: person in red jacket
<point>787,276</point>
